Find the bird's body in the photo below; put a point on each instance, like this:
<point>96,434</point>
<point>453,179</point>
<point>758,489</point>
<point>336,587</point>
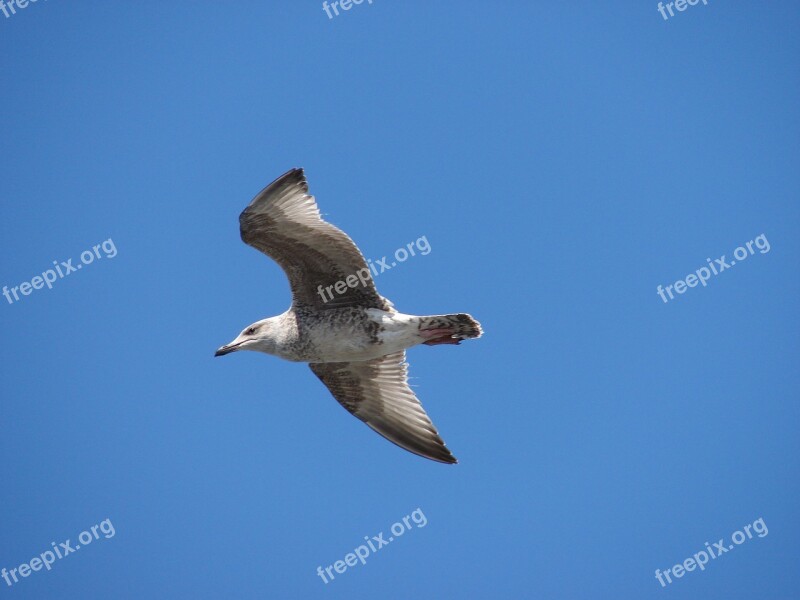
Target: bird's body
<point>355,340</point>
<point>344,334</point>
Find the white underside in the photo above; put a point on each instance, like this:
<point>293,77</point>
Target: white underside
<point>351,343</point>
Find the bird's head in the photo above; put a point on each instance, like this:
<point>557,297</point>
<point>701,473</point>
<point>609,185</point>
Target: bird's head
<point>260,336</point>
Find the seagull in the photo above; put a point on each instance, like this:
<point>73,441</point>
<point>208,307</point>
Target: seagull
<point>352,338</point>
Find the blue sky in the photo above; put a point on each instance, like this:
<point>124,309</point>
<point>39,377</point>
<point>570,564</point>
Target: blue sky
<point>563,161</point>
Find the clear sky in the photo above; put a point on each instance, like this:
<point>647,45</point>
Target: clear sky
<point>562,160</point>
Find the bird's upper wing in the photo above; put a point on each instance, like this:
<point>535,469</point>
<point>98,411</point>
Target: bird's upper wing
<point>284,223</point>
<point>377,392</point>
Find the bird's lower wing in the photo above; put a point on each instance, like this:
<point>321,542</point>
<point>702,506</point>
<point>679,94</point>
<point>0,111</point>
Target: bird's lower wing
<point>377,392</point>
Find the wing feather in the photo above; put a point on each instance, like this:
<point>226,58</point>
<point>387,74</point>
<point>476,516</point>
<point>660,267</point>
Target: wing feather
<point>377,392</point>
<point>284,222</point>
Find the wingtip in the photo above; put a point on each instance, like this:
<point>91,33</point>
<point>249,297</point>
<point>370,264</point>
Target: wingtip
<point>293,175</point>
<point>296,172</point>
<point>444,456</point>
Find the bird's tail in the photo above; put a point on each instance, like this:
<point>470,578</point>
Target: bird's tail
<point>449,329</point>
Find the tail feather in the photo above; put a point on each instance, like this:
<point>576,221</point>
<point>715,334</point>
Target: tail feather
<point>461,325</point>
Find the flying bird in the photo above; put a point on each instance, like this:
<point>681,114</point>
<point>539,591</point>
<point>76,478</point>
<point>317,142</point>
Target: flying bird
<point>353,340</point>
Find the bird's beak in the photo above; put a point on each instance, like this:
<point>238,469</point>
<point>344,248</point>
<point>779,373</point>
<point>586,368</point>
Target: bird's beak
<point>226,349</point>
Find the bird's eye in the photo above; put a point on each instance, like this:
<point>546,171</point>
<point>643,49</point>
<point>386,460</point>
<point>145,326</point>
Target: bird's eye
<point>250,331</point>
